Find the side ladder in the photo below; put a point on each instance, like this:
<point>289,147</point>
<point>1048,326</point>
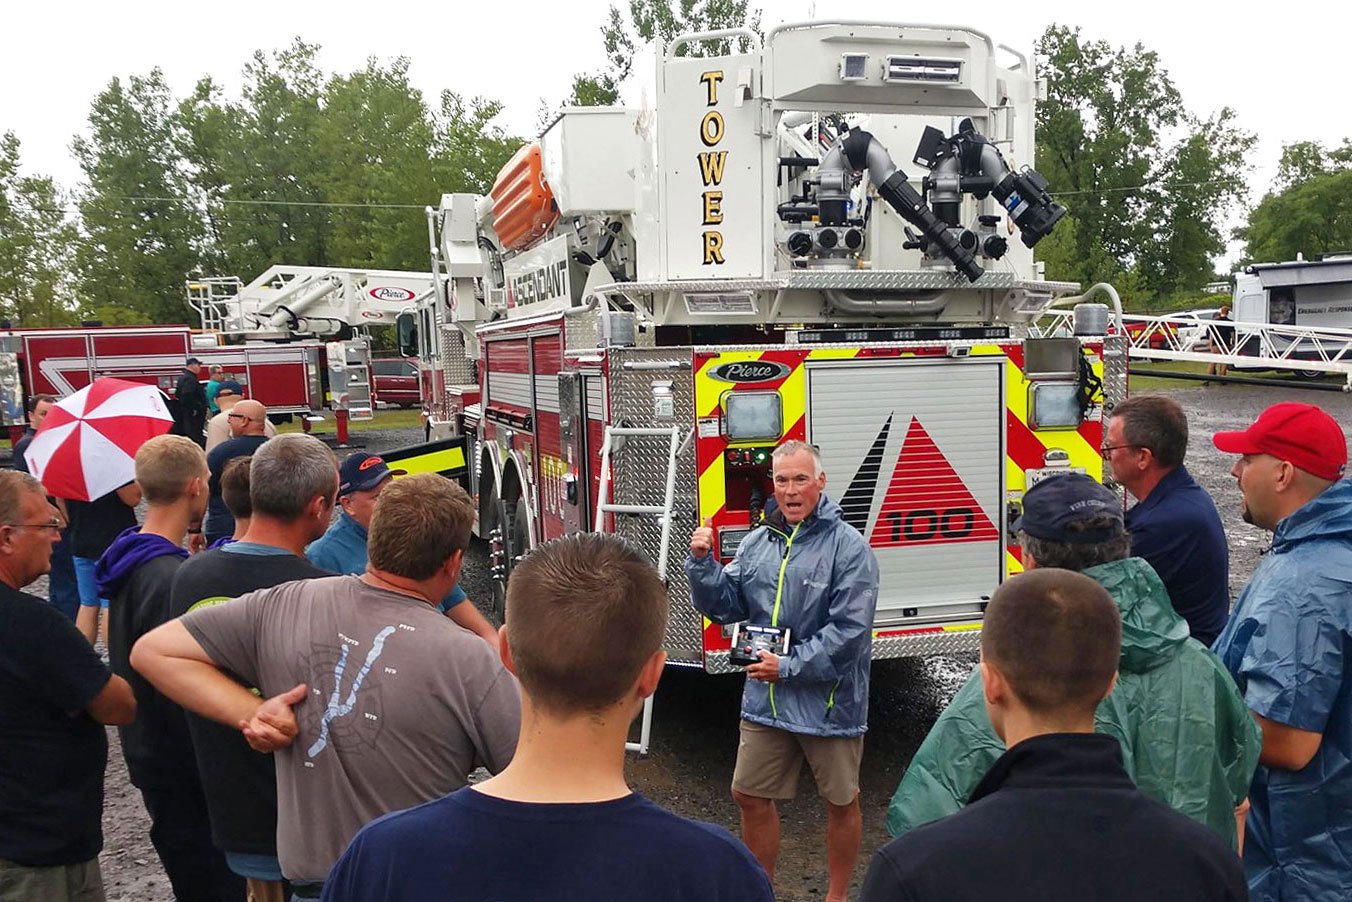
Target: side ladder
<point>662,512</point>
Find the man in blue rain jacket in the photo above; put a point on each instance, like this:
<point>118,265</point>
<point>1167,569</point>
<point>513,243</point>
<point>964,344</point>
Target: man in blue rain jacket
<point>1288,644</point>
<point>808,571</point>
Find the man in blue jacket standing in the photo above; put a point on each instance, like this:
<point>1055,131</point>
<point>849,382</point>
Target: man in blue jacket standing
<point>1287,645</point>
<point>808,572</point>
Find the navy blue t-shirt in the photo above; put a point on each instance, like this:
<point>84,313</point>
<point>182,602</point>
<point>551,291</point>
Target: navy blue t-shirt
<point>52,753</point>
<point>477,848</point>
<point>1177,530</point>
<point>219,520</point>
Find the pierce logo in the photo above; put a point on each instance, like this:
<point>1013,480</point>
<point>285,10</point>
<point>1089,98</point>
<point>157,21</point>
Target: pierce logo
<point>390,293</point>
<point>750,371</point>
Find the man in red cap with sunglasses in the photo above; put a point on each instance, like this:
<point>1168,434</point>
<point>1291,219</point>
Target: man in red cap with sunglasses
<point>1288,644</point>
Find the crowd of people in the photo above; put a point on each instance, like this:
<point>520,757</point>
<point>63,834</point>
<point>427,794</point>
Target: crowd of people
<point>302,690</point>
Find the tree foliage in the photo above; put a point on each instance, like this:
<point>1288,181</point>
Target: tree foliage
<point>1310,210</point>
<point>1148,183</point>
<point>304,168</point>
<point>660,20</point>
<point>142,234</point>
<point>36,241</point>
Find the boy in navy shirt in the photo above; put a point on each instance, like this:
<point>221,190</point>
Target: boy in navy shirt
<point>585,620</point>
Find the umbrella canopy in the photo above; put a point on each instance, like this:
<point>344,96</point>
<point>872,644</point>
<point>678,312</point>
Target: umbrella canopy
<point>87,446</point>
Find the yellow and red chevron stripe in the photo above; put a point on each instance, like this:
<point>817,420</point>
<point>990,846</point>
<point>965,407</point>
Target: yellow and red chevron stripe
<point>1024,446</point>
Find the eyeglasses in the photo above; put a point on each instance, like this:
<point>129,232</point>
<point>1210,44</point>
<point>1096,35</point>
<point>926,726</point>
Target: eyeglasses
<point>1108,451</point>
<point>237,416</point>
<point>51,524</point>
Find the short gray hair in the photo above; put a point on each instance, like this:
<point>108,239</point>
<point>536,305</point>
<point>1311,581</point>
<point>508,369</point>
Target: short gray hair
<point>793,446</point>
<point>1158,423</point>
<point>286,474</point>
<point>1080,556</point>
<point>13,483</point>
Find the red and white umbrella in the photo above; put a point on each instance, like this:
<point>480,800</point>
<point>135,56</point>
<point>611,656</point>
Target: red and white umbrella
<point>87,446</point>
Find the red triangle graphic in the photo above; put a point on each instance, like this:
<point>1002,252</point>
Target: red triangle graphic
<point>926,503</point>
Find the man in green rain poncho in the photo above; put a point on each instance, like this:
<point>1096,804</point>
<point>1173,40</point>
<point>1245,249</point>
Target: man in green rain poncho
<point>1187,738</point>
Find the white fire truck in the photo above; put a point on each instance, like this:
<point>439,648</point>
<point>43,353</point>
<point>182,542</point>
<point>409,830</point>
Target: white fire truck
<point>650,300</point>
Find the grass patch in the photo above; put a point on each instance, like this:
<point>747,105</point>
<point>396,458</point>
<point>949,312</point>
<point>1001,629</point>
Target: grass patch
<point>384,419</point>
<point>1153,383</point>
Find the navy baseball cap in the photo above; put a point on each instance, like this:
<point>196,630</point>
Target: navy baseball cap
<point>230,387</point>
<point>360,471</point>
<point>192,360</point>
<point>1052,506</point>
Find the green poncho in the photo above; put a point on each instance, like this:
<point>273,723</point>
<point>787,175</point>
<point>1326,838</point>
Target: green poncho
<point>1187,737</point>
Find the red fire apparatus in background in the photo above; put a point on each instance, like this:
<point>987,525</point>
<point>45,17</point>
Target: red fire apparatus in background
<point>295,338</point>
<point>284,377</point>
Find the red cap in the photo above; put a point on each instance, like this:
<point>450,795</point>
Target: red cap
<point>1301,434</point>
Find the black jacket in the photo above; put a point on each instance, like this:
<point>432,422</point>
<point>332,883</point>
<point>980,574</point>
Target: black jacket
<point>191,396</point>
<point>1057,818</point>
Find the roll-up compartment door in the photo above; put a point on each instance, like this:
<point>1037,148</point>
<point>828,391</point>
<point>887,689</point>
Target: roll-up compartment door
<point>914,453</point>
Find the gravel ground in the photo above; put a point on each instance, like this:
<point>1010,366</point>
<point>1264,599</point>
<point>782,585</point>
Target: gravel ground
<point>695,722</point>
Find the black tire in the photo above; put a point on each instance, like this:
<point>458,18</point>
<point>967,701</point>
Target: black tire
<point>515,541</point>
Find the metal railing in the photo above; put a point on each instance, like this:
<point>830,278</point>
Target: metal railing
<point>1309,350</point>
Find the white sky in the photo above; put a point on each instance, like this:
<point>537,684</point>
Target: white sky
<point>1284,71</point>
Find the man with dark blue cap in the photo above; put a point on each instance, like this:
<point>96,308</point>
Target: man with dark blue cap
<point>342,549</point>
<point>1187,739</point>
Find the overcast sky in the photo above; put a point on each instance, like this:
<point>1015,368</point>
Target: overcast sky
<point>1284,72</point>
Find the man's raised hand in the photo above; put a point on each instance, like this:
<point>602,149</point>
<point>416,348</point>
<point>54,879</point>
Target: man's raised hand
<point>702,539</point>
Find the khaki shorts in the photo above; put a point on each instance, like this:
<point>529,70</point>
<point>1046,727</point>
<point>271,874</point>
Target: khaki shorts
<point>769,762</point>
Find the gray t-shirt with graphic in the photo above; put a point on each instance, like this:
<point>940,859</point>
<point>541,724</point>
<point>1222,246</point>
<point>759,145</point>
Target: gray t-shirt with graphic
<point>402,704</point>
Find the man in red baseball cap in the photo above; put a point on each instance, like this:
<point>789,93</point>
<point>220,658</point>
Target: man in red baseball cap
<point>1288,644</point>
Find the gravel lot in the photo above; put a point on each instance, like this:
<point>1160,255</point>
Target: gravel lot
<point>695,726</point>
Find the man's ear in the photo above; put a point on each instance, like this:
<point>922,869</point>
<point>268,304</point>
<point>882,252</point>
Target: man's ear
<point>650,673</point>
<point>993,685</point>
<point>1112,684</point>
<point>505,651</point>
<point>454,564</point>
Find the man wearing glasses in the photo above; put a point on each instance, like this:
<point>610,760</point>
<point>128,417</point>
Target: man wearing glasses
<point>247,421</point>
<point>55,697</point>
<point>1174,524</point>
<point>810,575</point>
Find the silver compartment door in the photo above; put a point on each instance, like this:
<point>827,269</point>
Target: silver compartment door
<point>914,451</point>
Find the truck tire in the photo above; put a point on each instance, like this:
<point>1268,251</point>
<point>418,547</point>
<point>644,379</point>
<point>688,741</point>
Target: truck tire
<point>515,544</point>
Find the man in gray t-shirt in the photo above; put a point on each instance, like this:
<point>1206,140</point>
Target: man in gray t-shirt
<point>374,701</point>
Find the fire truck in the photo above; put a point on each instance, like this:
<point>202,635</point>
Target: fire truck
<point>650,300</point>
<point>295,337</point>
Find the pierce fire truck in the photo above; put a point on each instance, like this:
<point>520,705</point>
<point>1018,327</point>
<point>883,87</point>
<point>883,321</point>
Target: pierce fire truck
<point>649,301</point>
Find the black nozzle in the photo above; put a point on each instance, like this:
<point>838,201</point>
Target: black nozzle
<point>911,206</point>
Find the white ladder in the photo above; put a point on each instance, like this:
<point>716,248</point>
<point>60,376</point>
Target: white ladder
<point>663,513</point>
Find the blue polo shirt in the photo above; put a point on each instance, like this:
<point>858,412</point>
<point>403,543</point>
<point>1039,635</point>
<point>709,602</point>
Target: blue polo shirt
<point>342,550</point>
<point>1179,533</point>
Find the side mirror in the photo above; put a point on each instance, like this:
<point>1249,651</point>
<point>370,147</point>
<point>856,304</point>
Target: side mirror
<point>406,328</point>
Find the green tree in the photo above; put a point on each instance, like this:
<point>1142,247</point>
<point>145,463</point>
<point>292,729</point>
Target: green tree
<point>468,149</point>
<point>274,166</point>
<point>1310,210</point>
<point>1148,183</point>
<point>142,234</point>
<point>377,136</point>
<point>36,242</point>
<point>660,20</point>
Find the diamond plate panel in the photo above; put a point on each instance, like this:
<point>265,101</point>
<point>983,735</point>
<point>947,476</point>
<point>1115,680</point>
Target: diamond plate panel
<point>639,471</point>
<point>1115,362</point>
<point>455,361</point>
<point>583,331</point>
